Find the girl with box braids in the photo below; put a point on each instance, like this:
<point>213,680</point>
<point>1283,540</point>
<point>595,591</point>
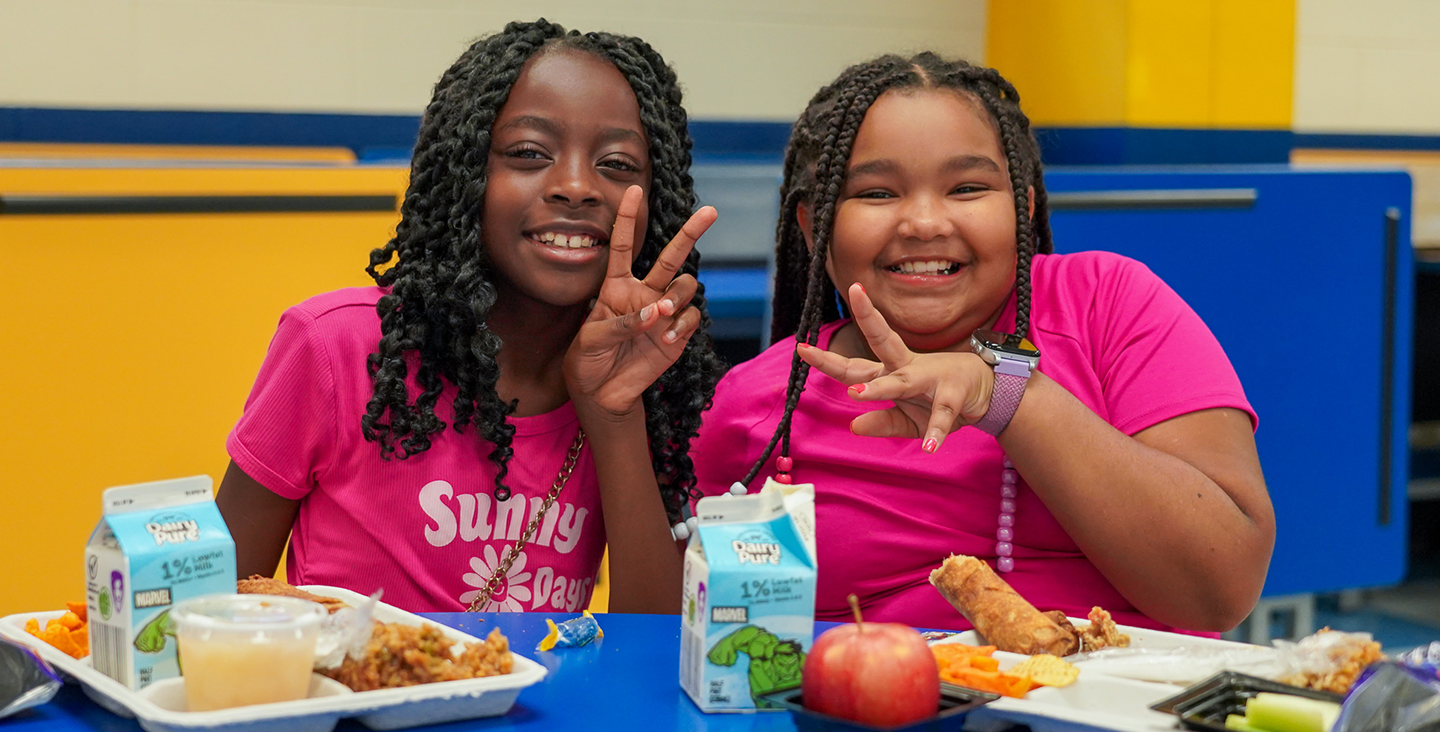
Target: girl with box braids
<point>442,283</point>
<point>985,410</point>
<point>814,173</point>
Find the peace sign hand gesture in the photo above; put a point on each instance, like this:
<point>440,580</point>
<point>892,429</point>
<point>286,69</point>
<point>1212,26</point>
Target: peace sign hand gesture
<point>934,393</point>
<point>638,328</point>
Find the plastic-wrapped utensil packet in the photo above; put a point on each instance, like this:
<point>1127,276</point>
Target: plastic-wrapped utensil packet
<point>1180,664</point>
<point>25,680</point>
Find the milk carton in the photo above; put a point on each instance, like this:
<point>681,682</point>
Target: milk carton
<point>156,544</point>
<point>749,598</point>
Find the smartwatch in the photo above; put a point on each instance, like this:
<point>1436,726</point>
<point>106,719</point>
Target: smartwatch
<point>1014,358</point>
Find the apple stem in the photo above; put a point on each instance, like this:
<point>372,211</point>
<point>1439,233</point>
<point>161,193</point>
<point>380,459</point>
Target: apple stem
<point>855,608</point>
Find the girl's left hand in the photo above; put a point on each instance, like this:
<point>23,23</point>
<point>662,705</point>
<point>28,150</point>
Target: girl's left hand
<point>934,393</point>
<point>638,328</point>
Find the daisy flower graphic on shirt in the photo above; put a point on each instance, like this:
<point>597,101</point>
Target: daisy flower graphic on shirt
<point>511,592</point>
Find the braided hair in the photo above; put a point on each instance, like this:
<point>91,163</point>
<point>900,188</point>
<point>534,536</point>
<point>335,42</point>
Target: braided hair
<point>441,284</point>
<point>816,161</point>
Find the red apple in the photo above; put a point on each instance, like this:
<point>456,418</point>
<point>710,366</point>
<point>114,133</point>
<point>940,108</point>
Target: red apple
<point>881,674</point>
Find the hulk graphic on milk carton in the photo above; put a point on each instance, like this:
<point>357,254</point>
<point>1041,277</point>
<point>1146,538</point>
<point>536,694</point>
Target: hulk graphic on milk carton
<point>749,602</point>
<point>156,544</point>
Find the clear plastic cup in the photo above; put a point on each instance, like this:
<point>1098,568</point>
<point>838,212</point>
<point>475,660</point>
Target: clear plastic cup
<point>237,650</point>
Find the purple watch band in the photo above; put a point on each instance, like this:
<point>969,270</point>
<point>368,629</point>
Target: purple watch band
<point>1010,378</point>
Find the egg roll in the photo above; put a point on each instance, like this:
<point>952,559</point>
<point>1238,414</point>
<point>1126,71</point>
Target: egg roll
<point>998,612</point>
<point>257,584</point>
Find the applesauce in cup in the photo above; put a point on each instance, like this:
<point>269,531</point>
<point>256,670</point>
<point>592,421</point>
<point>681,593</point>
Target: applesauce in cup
<point>237,650</point>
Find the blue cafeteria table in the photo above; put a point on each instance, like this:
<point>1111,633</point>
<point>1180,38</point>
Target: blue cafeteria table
<point>629,680</point>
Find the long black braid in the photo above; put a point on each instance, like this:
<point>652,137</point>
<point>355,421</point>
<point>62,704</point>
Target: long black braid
<point>814,174</point>
<point>442,284</point>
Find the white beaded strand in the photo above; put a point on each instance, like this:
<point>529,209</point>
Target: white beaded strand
<point>689,524</point>
<point>1005,534</point>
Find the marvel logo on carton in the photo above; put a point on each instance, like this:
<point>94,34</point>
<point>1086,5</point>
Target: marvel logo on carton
<point>749,602</point>
<point>156,544</point>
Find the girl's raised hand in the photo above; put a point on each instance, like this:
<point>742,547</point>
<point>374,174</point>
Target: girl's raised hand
<point>638,328</point>
<point>934,393</point>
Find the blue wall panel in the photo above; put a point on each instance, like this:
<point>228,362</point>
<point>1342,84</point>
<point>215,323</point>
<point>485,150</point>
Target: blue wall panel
<point>1294,288</point>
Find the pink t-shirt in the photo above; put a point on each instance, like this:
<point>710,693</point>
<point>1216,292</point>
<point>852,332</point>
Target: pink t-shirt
<point>1108,330</point>
<point>426,529</point>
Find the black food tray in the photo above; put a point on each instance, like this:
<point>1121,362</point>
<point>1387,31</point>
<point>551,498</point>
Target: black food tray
<point>955,703</point>
<point>1205,705</point>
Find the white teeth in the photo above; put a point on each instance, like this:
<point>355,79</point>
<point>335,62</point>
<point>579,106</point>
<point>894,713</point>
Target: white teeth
<point>568,241</point>
<point>934,266</point>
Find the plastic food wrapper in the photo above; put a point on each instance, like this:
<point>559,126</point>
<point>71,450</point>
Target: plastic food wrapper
<point>1181,664</point>
<point>1391,697</point>
<point>345,632</point>
<point>25,680</point>
<point>571,633</point>
<point>1424,658</point>
<point>1329,660</point>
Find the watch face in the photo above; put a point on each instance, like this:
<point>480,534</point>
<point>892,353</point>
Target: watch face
<point>1007,343</point>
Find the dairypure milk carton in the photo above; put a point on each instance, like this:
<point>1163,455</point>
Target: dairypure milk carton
<point>749,598</point>
<point>156,544</point>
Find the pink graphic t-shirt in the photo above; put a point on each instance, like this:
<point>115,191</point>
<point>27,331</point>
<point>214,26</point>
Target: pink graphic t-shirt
<point>1108,330</point>
<point>426,529</point>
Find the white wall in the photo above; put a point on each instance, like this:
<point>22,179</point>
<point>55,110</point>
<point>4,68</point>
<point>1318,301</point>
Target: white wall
<point>738,59</point>
<point>1367,66</point>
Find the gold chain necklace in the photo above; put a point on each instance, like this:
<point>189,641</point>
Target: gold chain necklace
<point>503,571</point>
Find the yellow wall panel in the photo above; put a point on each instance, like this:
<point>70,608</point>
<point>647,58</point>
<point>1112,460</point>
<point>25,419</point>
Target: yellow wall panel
<point>1168,66</point>
<point>1197,64</point>
<point>211,153</point>
<point>1066,58</point>
<point>162,178</point>
<point>131,341</point>
<point>1254,66</point>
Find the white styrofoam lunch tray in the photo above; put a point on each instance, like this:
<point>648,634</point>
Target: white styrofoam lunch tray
<point>383,709</point>
<point>1095,700</point>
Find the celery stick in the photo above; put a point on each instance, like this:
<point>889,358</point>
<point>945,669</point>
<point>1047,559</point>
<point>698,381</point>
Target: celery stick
<point>1287,713</point>
<point>1238,723</point>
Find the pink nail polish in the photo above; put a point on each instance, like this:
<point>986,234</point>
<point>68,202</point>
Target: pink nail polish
<point>858,388</point>
<point>930,445</point>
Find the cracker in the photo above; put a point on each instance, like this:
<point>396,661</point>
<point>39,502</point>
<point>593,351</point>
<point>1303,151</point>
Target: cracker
<point>1046,670</point>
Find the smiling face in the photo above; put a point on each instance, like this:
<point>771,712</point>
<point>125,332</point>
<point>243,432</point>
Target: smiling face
<point>564,148</point>
<point>926,219</point>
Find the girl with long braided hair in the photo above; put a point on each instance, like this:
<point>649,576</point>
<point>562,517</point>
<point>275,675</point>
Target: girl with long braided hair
<point>951,386</point>
<point>523,381</point>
